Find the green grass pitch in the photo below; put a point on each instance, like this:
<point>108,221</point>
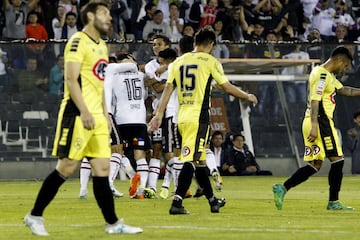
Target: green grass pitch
<point>248,214</point>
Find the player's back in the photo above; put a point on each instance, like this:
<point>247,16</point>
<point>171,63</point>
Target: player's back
<point>128,93</point>
<point>94,59</point>
<point>193,73</point>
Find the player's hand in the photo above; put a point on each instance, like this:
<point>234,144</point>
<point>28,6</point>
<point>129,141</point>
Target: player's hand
<point>155,122</point>
<point>253,99</point>
<point>312,135</point>
<point>87,120</point>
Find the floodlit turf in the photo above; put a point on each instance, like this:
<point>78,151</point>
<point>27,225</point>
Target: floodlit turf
<point>249,213</point>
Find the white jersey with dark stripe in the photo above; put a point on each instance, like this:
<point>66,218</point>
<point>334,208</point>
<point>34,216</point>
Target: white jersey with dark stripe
<point>125,93</point>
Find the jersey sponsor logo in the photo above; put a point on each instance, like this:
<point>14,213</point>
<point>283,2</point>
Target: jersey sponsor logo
<point>332,97</point>
<point>99,69</point>
<point>315,149</point>
<point>307,151</point>
<point>186,151</point>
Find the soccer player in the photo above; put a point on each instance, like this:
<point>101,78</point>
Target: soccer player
<point>192,73</point>
<point>125,97</point>
<point>320,135</point>
<point>154,72</point>
<point>83,122</point>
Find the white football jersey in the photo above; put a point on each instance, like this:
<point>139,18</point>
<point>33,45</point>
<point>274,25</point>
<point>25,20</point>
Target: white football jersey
<point>125,93</point>
<point>150,69</point>
<point>173,104</point>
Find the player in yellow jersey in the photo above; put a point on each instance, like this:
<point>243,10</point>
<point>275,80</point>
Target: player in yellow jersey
<point>320,135</point>
<point>193,73</point>
<point>83,122</point>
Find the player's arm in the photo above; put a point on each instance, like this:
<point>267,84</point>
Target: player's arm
<point>159,111</point>
<point>72,75</point>
<point>349,91</point>
<point>314,107</point>
<point>236,92</point>
<point>106,113</point>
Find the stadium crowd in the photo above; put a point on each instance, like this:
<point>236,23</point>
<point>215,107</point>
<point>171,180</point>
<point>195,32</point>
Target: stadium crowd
<point>236,20</point>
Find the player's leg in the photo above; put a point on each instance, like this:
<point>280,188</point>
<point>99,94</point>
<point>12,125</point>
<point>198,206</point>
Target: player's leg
<point>215,174</point>
<point>314,155</point>
<point>63,170</point>
<point>116,151</point>
<point>85,172</point>
<point>100,165</point>
<point>335,155</point>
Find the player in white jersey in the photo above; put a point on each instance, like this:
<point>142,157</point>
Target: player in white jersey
<point>125,96</point>
<point>118,159</point>
<point>153,71</point>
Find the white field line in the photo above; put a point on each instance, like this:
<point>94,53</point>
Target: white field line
<point>211,229</point>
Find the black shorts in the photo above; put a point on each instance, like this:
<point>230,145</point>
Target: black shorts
<point>134,136</point>
<point>115,134</point>
<point>170,135</point>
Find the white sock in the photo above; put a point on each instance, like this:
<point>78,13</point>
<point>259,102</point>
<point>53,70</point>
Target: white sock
<point>210,161</point>
<point>154,171</point>
<point>85,171</point>
<point>178,165</point>
<point>114,168</point>
<point>143,169</point>
<point>126,166</point>
<point>168,173</point>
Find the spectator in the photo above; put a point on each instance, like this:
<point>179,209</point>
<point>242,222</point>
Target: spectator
<point>188,30</point>
<point>269,12</point>
<point>239,161</point>
<point>175,22</point>
<point>323,19</point>
<point>31,79</point>
<point>315,51</point>
<point>34,30</point>
<point>208,16</point>
<point>120,16</point>
<point>220,50</point>
<point>70,26</point>
<point>16,14</point>
<point>296,91</point>
<point>69,5</point>
<point>216,145</point>
<point>57,25</point>
<point>341,35</point>
<point>157,26</point>
<point>342,16</point>
<point>150,9</point>
<point>56,78</point>
<point>354,137</point>
<point>195,14</point>
<point>3,71</point>
<point>112,35</point>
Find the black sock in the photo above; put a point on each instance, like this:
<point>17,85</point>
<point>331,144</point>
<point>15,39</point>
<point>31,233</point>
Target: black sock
<point>335,179</point>
<point>184,181</point>
<point>301,175</point>
<point>47,192</point>
<point>104,198</point>
<point>202,177</point>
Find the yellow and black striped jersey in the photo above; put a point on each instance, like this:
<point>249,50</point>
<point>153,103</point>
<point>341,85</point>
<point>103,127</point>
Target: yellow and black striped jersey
<point>93,57</point>
<point>322,87</point>
<point>192,74</point>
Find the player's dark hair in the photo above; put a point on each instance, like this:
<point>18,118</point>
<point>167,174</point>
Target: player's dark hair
<point>92,6</point>
<point>123,56</point>
<point>205,36</point>
<point>164,38</point>
<point>186,44</point>
<point>356,114</point>
<point>342,50</point>
<point>149,6</point>
<point>168,54</point>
